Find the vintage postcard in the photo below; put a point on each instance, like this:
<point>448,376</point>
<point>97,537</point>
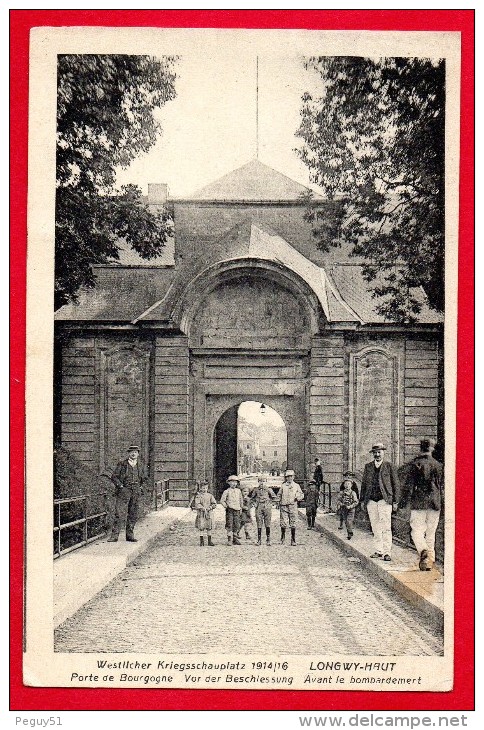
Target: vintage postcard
<point>241,359</point>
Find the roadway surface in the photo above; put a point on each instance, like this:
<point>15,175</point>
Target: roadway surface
<point>179,597</point>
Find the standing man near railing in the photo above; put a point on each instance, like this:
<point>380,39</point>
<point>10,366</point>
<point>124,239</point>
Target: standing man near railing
<point>318,476</point>
<point>128,478</point>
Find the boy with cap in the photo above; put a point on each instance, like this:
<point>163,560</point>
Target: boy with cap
<point>290,494</point>
<point>380,494</point>
<point>128,478</point>
<point>424,490</point>
<point>354,487</point>
<point>233,502</point>
<point>347,502</point>
<point>311,498</point>
<point>262,498</point>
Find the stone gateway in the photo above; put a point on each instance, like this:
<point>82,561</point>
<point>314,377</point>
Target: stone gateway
<point>245,307</point>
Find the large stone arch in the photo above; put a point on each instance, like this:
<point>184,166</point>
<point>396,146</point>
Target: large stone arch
<point>225,272</point>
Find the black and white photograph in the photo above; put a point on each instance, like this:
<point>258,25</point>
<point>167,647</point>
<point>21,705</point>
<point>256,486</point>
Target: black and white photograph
<point>241,359</point>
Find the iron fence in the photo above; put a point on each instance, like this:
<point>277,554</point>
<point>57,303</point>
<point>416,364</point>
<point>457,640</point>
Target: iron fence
<point>325,496</point>
<point>181,491</point>
<point>161,494</point>
<point>74,526</point>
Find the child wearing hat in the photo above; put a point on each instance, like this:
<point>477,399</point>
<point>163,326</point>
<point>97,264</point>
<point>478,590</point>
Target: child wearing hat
<point>290,494</point>
<point>348,475</point>
<point>204,503</point>
<point>232,501</point>
<point>347,502</point>
<point>245,518</point>
<point>262,498</point>
<point>311,499</point>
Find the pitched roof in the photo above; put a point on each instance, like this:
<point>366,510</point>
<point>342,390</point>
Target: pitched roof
<point>355,291</point>
<point>253,181</point>
<point>129,257</point>
<point>250,241</point>
<point>148,294</point>
<point>118,295</point>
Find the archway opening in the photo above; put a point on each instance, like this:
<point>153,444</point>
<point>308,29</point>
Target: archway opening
<point>249,438</point>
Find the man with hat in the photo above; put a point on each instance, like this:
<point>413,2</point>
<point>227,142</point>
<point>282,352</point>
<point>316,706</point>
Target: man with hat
<point>128,478</point>
<point>289,495</point>
<point>232,501</point>
<point>380,494</point>
<point>318,475</point>
<point>424,490</point>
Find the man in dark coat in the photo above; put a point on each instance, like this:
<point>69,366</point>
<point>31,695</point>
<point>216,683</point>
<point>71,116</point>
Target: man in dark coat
<point>380,494</point>
<point>129,478</point>
<point>424,490</point>
<point>318,476</point>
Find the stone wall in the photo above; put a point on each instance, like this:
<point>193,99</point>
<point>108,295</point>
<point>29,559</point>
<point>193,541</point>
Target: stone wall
<point>171,408</point>
<point>327,405</point>
<point>105,405</point>
<point>79,431</point>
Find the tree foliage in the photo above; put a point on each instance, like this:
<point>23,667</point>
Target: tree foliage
<point>374,142</point>
<point>106,108</point>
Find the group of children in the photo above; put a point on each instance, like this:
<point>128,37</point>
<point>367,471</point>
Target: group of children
<point>238,504</point>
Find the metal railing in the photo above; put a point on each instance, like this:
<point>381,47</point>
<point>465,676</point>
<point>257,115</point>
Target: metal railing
<point>325,497</point>
<point>161,494</point>
<point>74,527</point>
<point>182,490</point>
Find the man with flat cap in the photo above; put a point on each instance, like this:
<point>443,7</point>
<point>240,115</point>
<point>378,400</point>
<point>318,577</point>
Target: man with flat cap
<point>128,478</point>
<point>380,494</point>
<point>289,495</point>
<point>424,490</point>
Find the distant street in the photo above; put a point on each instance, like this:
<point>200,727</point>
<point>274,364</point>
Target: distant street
<point>182,598</point>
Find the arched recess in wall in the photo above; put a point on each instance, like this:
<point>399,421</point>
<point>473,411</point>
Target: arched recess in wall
<point>260,296</point>
<point>374,398</point>
<point>123,403</point>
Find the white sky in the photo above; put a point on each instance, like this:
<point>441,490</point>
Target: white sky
<point>209,129</point>
<point>250,410</point>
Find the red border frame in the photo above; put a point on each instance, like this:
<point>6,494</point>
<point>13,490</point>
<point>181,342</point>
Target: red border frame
<point>32,698</point>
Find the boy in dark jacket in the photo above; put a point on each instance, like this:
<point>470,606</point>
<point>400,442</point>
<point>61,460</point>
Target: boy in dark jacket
<point>311,498</point>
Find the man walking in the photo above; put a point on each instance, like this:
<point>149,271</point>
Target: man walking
<point>380,494</point>
<point>290,494</point>
<point>424,490</point>
<point>128,478</point>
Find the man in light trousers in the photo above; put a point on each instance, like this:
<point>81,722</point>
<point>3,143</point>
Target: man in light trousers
<point>380,494</point>
<point>290,494</point>
<point>424,490</point>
